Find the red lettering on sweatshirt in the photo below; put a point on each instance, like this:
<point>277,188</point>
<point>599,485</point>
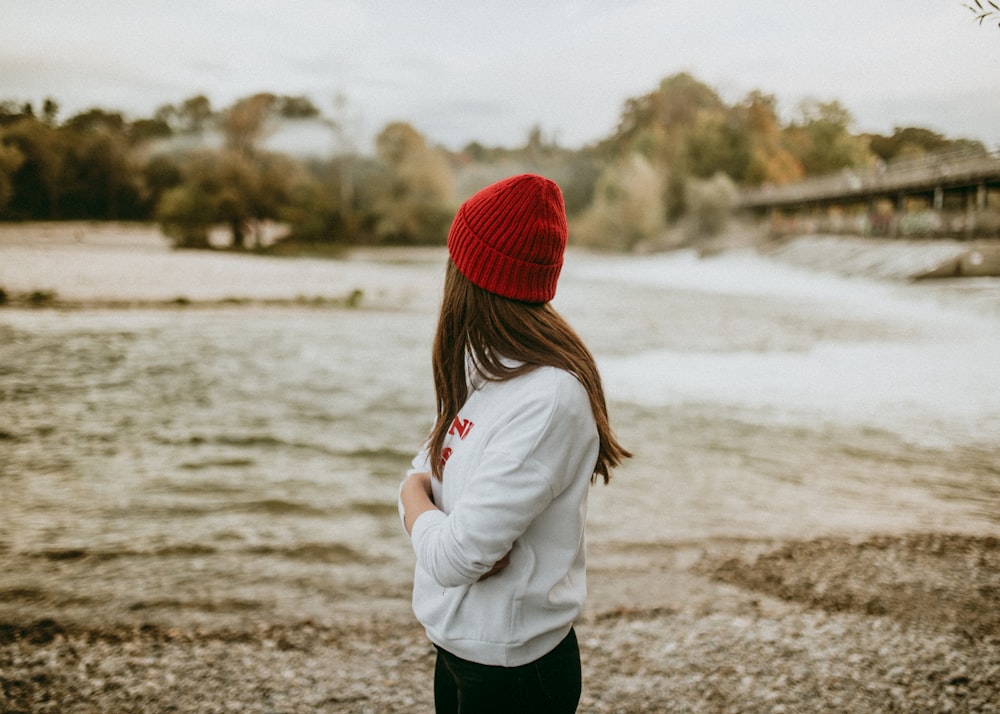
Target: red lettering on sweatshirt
<point>445,455</point>
<point>460,428</point>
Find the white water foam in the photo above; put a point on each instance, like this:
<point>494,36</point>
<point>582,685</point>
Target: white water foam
<point>929,373</point>
<point>935,394</point>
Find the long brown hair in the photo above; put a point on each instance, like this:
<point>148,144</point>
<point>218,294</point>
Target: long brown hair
<point>490,329</point>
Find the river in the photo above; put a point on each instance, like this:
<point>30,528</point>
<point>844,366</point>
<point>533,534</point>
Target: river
<point>185,434</point>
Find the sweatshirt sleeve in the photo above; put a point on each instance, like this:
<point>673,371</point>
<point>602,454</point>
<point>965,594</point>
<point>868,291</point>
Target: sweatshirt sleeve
<point>421,462</point>
<point>546,441</point>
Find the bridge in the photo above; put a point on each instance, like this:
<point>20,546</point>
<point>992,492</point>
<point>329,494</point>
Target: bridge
<point>954,195</point>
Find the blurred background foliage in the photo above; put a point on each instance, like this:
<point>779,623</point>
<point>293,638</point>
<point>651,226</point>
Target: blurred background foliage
<point>672,166</point>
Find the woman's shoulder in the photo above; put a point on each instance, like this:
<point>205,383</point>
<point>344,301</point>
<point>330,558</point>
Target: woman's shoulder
<point>544,405</point>
<point>550,384</point>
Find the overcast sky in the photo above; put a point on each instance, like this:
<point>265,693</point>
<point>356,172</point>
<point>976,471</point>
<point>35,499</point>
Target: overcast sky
<point>485,70</point>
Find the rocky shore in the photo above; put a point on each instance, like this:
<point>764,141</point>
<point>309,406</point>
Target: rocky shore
<point>885,624</point>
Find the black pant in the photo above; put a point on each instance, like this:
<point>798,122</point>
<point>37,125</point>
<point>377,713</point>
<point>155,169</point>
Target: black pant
<point>549,685</point>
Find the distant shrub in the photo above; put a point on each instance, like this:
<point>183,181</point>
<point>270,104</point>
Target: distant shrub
<point>709,205</point>
<point>40,298</point>
<point>355,297</point>
<point>627,207</point>
<point>185,215</point>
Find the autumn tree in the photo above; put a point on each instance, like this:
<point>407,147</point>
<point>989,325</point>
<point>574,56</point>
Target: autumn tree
<point>683,129</point>
<point>247,122</point>
<point>649,124</point>
<point>415,201</point>
<point>769,161</point>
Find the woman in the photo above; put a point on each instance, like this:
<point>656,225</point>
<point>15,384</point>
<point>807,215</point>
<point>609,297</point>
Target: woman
<point>495,504</point>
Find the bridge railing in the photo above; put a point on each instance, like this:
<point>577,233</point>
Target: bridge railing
<point>951,167</point>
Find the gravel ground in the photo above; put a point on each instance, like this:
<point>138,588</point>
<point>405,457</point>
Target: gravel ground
<point>888,624</point>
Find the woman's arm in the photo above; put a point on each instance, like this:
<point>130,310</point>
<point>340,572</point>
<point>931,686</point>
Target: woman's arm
<point>415,493</point>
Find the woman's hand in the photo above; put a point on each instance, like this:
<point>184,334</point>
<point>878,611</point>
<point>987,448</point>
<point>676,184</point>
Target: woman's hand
<point>415,494</point>
<point>497,567</point>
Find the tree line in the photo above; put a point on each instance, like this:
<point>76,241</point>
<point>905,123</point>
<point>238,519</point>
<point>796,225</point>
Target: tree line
<point>674,161</point>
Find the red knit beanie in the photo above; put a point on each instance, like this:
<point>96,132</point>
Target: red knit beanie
<point>509,238</point>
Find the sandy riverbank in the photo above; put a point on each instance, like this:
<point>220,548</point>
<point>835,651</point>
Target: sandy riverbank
<point>900,624</point>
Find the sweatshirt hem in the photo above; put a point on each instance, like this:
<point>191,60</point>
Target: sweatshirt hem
<point>502,654</point>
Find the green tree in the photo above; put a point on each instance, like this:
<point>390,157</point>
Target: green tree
<point>158,175</point>
<point>98,178</point>
<point>229,188</point>
<point>296,108</point>
<point>186,214</point>
<point>337,204</point>
<point>37,183</point>
<point>218,187</point>
<point>95,120</point>
<point>284,186</point>
<point>143,131</point>
<point>10,161</point>
<point>821,139</point>
<point>10,112</point>
<point>916,141</point>
<point>718,143</point>
<point>50,110</point>
<point>193,116</point>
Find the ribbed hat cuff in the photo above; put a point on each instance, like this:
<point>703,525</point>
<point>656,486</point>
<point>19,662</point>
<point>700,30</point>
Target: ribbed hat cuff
<point>492,270</point>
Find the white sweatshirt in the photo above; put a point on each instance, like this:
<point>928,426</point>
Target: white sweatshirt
<point>520,455</point>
